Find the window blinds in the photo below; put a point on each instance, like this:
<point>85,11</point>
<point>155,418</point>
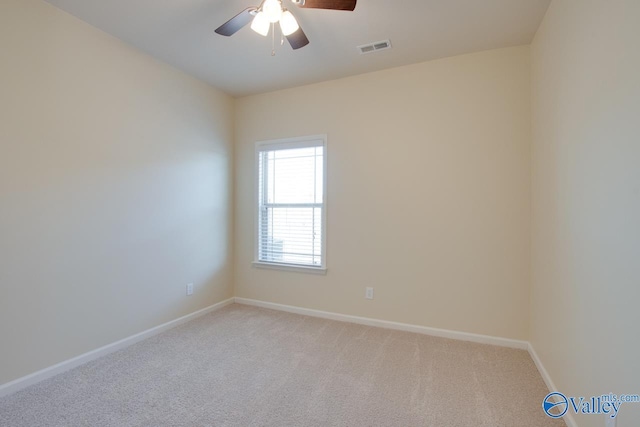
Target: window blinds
<point>291,203</point>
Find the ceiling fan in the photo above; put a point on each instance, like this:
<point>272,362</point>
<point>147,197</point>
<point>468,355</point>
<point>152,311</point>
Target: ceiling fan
<point>269,12</point>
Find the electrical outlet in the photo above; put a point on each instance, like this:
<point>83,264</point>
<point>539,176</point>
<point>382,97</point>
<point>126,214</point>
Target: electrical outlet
<point>368,294</point>
<point>190,289</point>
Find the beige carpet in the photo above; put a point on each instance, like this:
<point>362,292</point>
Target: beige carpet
<point>245,366</point>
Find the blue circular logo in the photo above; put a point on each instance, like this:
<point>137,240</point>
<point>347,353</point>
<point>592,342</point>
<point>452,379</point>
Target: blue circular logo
<point>555,405</point>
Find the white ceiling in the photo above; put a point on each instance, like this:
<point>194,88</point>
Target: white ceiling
<point>181,33</point>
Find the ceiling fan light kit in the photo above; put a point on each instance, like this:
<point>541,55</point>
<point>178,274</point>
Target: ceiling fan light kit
<point>261,24</point>
<point>271,11</point>
<point>288,23</point>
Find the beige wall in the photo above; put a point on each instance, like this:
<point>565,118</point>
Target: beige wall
<point>586,199</point>
<point>115,189</point>
<point>428,193</point>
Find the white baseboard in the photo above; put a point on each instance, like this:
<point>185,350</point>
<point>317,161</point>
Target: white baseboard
<point>443,333</point>
<point>43,374</point>
<point>568,418</point>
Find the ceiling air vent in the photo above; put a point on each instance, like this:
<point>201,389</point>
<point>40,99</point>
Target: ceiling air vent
<point>374,47</point>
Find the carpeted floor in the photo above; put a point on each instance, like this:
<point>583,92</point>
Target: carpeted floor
<point>246,366</point>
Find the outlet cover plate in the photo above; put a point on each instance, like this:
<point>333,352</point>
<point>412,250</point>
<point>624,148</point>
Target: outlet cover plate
<point>368,293</point>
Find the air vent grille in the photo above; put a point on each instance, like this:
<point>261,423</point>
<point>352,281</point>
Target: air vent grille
<point>374,47</point>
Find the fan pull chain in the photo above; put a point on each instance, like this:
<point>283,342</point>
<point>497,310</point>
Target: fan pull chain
<point>273,39</point>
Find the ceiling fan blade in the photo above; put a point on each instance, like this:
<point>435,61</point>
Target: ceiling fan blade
<point>298,39</point>
<point>328,4</point>
<point>234,24</point>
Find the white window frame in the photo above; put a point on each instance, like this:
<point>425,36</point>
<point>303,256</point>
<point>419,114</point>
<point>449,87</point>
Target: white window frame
<point>290,143</point>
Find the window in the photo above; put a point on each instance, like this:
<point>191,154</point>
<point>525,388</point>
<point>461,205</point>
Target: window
<point>291,203</point>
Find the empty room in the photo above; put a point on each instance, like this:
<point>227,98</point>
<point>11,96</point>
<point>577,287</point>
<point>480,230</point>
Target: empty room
<point>320,213</point>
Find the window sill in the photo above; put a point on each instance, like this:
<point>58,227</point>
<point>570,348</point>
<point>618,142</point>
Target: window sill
<point>290,267</point>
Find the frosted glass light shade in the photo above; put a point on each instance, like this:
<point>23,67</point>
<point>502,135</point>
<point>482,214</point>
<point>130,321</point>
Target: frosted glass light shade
<point>260,24</point>
<point>272,9</point>
<point>288,23</point>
